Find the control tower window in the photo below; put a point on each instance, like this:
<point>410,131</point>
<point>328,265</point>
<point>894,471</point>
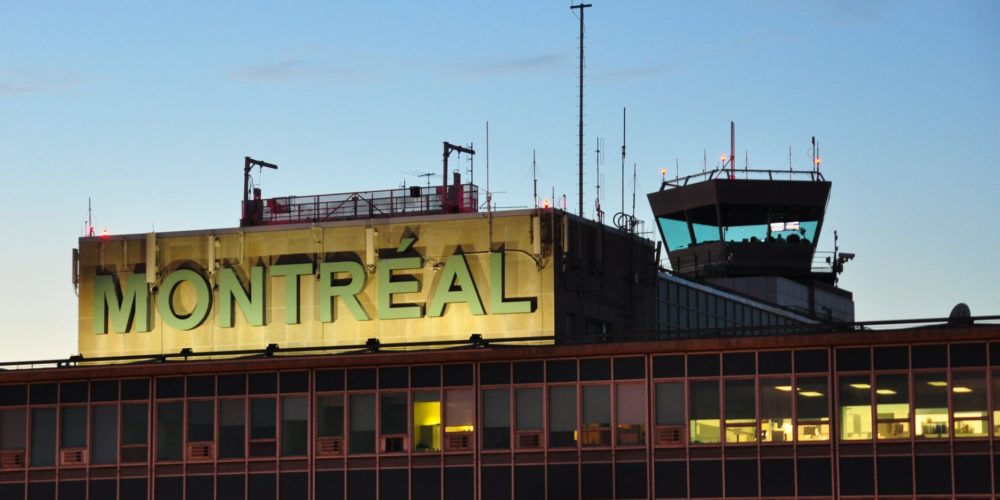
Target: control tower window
<point>675,233</point>
<point>705,233</point>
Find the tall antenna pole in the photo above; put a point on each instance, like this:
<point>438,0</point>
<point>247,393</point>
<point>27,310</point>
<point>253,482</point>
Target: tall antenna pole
<point>534,178</point>
<point>623,160</point>
<point>732,150</point>
<point>581,6</point>
<point>488,200</point>
<point>597,163</point>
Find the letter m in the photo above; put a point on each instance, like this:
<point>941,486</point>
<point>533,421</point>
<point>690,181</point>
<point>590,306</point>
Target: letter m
<point>118,308</point>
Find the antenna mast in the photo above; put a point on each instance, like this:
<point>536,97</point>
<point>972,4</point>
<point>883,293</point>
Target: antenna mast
<point>488,197</point>
<point>534,178</point>
<point>581,6</point>
<point>623,160</point>
<point>597,161</point>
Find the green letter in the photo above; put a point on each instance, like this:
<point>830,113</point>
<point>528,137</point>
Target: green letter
<point>497,303</point>
<point>291,272</point>
<point>121,307</point>
<point>387,287</point>
<point>349,292</point>
<point>230,290</point>
<point>164,299</point>
<point>447,292</point>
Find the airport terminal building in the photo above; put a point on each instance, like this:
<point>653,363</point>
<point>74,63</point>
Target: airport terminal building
<point>403,344</point>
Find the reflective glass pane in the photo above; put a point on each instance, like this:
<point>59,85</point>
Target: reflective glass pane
<point>169,431</point>
<point>670,403</point>
<point>596,429</point>
<point>73,427</point>
<point>362,423</point>
<point>201,420</point>
<point>104,431</point>
<point>704,233</point>
<point>134,423</point>
<point>262,418</point>
<point>232,428</point>
<point>294,429</point>
<point>562,416</point>
<point>630,412</point>
<point>393,413</point>
<point>43,436</point>
<point>330,416</point>
<point>675,233</point>
<point>529,409</point>
<point>12,429</point>
<point>753,233</point>
<point>496,419</point>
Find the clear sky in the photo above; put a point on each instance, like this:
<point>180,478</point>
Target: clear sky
<point>149,108</point>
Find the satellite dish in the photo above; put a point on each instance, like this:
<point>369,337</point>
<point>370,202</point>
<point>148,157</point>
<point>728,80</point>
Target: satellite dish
<point>960,315</point>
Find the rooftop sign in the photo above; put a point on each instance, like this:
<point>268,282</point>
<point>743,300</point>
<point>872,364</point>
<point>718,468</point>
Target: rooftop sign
<point>335,284</point>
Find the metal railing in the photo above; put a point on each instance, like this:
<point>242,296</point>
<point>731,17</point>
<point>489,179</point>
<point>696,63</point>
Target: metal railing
<point>476,341</point>
<point>413,200</point>
<point>718,173</point>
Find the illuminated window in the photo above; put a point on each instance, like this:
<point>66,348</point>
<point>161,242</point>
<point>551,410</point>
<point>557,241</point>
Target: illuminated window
<point>892,397</point>
<point>930,405</point>
<point>704,407</point>
<point>855,407</point>
<point>812,408</point>
<point>459,414</point>
<point>741,416</point>
<point>459,409</point>
<point>996,403</point>
<point>427,421</point>
<point>776,410</point>
<point>968,393</point>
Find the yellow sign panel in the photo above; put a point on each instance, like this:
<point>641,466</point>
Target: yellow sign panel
<point>396,280</point>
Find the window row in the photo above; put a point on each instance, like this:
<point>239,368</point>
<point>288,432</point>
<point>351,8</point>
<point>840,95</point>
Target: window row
<point>923,405</point>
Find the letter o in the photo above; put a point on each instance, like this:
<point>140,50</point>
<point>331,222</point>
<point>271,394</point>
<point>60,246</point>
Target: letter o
<point>164,300</point>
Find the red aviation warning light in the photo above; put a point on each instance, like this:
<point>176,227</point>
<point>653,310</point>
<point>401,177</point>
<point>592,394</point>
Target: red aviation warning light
<point>105,234</point>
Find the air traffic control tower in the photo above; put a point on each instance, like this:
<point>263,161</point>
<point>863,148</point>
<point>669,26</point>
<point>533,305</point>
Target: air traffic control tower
<point>754,232</point>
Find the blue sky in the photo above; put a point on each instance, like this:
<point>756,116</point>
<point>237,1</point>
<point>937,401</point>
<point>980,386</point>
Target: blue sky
<point>148,109</point>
